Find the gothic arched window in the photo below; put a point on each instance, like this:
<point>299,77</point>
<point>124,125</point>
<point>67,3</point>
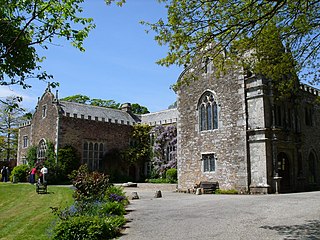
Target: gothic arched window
<point>208,112</point>
<point>42,149</point>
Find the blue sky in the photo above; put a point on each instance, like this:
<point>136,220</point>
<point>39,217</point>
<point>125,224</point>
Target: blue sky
<point>119,61</point>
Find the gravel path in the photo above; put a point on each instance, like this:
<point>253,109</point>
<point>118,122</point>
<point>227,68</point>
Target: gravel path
<point>188,216</point>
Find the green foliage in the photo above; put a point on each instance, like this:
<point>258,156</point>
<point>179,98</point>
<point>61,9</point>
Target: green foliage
<point>21,173</point>
<point>78,98</point>
<point>26,24</point>
<point>223,191</point>
<point>113,208</point>
<point>116,193</point>
<point>138,109</point>
<point>172,175</point>
<point>10,118</point>
<point>90,186</point>
<point>139,151</point>
<point>135,107</point>
<point>68,160</point>
<point>158,180</point>
<point>105,103</point>
<point>32,156</point>
<point>88,227</point>
<point>217,30</point>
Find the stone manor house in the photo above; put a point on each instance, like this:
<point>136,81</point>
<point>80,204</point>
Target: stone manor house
<point>231,130</point>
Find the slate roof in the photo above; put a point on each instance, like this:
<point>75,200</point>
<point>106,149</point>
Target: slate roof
<point>72,108</point>
<point>163,117</point>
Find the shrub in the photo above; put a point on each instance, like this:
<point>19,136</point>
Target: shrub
<point>68,161</point>
<point>157,180</point>
<point>89,228</point>
<point>89,186</point>
<point>112,208</point>
<point>222,191</point>
<point>171,175</point>
<point>21,173</point>
<point>115,193</point>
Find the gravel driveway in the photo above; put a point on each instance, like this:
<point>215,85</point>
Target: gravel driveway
<point>188,216</point>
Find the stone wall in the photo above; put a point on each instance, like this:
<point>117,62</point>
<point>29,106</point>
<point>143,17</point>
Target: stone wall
<point>228,142</point>
<point>73,131</point>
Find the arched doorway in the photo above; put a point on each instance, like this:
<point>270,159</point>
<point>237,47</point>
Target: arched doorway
<point>284,172</point>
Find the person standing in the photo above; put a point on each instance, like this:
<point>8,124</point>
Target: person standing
<point>4,174</point>
<point>8,174</point>
<point>33,173</point>
<point>44,172</point>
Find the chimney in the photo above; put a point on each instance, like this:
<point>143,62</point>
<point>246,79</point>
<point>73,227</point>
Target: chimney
<point>126,107</point>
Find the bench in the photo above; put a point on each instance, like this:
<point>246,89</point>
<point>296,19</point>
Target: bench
<point>41,187</point>
<point>208,187</point>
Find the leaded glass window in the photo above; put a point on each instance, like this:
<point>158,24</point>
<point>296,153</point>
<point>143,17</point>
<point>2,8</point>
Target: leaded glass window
<point>208,112</point>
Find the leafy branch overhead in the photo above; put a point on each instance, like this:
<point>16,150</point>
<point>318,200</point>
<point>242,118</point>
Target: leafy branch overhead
<point>234,27</point>
<point>26,24</point>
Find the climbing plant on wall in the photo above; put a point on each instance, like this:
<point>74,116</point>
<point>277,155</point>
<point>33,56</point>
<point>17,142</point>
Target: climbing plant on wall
<point>164,149</point>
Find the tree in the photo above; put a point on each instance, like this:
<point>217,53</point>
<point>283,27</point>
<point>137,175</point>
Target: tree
<point>26,24</point>
<point>139,150</point>
<point>228,30</point>
<point>138,109</point>
<point>135,107</point>
<point>78,98</point>
<point>10,118</point>
<point>105,103</point>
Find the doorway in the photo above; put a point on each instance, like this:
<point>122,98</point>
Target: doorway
<point>284,172</point>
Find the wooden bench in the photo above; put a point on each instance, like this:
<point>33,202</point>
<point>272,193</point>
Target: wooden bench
<point>41,187</point>
<point>208,187</point>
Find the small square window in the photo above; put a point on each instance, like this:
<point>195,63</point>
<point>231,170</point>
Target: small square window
<point>75,115</point>
<point>209,162</point>
<point>82,116</point>
<point>89,117</point>
<point>96,118</point>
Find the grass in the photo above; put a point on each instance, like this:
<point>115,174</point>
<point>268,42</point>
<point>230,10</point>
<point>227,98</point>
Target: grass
<point>27,215</point>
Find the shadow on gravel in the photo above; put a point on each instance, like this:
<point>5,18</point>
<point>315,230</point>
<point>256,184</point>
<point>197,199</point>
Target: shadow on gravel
<point>309,230</point>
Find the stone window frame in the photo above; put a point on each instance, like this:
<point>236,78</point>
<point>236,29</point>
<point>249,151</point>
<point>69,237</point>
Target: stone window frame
<point>92,154</point>
<point>42,149</point>
<point>25,141</point>
<point>208,111</point>
<point>44,111</point>
<point>209,162</point>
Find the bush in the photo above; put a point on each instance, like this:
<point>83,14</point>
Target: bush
<point>222,191</point>
<point>21,173</point>
<point>89,228</point>
<point>90,186</point>
<point>171,175</point>
<point>158,180</point>
<point>115,193</point>
<point>112,208</point>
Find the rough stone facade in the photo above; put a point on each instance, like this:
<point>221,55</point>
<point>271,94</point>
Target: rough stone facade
<point>255,143</point>
<point>260,144</point>
<point>227,142</point>
<point>81,126</point>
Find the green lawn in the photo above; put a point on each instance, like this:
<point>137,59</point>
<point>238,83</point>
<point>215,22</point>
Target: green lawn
<point>24,214</point>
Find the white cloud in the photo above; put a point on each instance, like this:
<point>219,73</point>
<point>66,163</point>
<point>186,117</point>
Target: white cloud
<point>28,101</point>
